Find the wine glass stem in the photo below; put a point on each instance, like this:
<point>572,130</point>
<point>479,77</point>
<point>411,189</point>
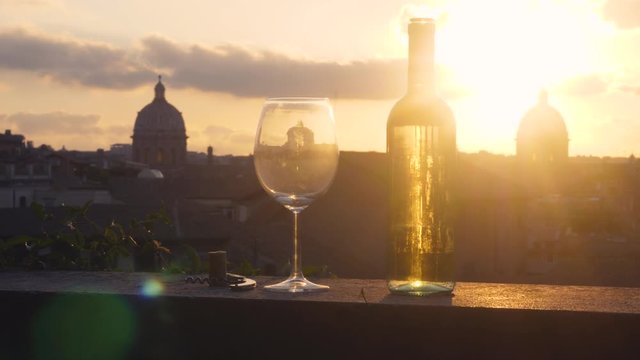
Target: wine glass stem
<point>296,269</point>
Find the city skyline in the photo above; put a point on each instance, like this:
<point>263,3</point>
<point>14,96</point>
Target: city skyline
<point>75,73</point>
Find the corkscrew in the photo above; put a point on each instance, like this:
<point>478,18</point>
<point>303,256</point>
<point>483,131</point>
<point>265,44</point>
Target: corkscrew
<point>219,277</point>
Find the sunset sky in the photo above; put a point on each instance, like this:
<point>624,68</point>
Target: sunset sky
<point>75,72</point>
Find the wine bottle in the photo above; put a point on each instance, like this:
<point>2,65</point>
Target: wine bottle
<point>421,150</point>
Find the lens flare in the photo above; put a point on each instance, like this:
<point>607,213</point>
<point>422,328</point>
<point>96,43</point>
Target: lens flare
<point>84,326</point>
<point>152,288</point>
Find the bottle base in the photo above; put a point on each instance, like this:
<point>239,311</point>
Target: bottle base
<point>420,288</point>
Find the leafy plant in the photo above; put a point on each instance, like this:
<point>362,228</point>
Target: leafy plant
<point>186,260</point>
<point>246,269</point>
<point>75,241</point>
<point>318,271</point>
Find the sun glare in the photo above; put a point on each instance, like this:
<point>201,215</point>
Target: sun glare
<point>502,53</point>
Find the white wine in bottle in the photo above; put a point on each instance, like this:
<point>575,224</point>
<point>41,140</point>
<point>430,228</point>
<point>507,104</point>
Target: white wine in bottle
<point>421,150</point>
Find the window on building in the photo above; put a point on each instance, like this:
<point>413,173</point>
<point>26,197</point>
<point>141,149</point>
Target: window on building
<point>21,170</point>
<point>160,156</point>
<point>40,169</point>
<point>228,213</point>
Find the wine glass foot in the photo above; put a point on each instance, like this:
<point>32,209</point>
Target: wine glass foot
<point>297,284</point>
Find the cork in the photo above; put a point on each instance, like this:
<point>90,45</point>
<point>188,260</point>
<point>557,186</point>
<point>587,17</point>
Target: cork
<point>217,267</point>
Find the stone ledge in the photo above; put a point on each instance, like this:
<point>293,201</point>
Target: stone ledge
<point>178,320</point>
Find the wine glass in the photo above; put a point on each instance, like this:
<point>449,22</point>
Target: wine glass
<point>296,157</point>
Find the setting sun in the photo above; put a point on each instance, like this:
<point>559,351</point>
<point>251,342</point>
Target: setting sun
<point>504,58</point>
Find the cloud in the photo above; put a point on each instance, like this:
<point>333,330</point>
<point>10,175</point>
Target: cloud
<point>623,135</point>
<point>214,130</point>
<point>629,82</point>
<point>624,13</point>
<point>585,85</point>
<point>246,73</point>
<point>241,72</point>
<point>57,129</point>
<point>229,141</point>
<point>119,131</point>
<point>25,2</point>
<point>227,68</point>
<point>630,89</point>
<point>53,123</point>
<point>71,61</point>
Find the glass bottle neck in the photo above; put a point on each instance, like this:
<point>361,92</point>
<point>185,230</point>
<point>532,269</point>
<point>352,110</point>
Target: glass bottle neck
<point>421,59</point>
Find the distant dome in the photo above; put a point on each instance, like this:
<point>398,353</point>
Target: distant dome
<point>542,135</point>
<point>150,174</point>
<point>300,136</point>
<point>159,134</point>
<point>542,121</point>
<point>159,115</point>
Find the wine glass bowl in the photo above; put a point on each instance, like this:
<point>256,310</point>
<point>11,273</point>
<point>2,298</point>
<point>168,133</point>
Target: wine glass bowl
<point>296,157</point>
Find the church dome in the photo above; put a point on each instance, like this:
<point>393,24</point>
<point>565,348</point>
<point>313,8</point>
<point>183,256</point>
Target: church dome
<point>542,136</point>
<point>542,122</point>
<point>159,115</point>
<point>159,134</point>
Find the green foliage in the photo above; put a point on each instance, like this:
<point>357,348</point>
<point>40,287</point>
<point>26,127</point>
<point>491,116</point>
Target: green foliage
<point>318,271</point>
<point>246,269</point>
<point>75,241</point>
<point>185,260</point>
<point>40,211</point>
<point>194,265</point>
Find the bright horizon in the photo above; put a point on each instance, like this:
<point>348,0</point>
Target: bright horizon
<point>75,73</point>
